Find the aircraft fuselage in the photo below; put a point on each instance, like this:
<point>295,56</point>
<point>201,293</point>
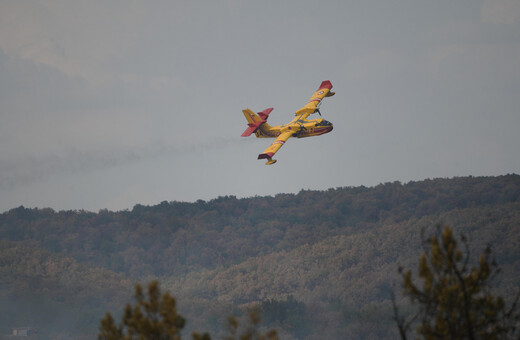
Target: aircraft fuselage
<point>301,127</point>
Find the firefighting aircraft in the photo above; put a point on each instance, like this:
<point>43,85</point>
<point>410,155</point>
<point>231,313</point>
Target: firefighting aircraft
<point>299,127</point>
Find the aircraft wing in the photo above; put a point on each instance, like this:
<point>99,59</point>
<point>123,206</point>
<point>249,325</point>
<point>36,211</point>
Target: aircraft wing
<point>273,148</point>
<point>323,91</point>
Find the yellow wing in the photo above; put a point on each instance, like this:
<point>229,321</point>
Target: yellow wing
<point>273,148</point>
<point>323,91</point>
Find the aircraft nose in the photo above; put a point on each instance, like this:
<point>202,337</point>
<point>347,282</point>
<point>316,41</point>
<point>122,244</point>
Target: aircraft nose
<point>329,124</point>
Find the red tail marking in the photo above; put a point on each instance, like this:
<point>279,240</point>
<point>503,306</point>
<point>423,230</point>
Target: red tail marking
<point>254,126</point>
<point>264,114</point>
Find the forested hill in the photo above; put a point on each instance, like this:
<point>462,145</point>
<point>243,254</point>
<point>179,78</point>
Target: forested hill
<point>335,250</point>
<point>175,237</point>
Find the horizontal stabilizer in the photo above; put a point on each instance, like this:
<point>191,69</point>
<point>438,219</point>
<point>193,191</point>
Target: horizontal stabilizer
<point>248,131</point>
<point>264,114</point>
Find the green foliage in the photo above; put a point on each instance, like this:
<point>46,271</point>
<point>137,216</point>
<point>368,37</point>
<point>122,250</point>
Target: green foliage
<point>339,245</point>
<point>455,300</point>
<point>250,332</point>
<point>154,240</point>
<point>155,318</point>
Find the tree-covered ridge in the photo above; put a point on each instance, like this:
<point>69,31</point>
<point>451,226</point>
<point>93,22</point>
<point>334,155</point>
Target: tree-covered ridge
<point>356,271</point>
<point>330,255</point>
<point>177,237</point>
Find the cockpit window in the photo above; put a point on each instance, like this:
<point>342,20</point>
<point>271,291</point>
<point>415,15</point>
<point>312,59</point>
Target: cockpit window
<point>323,123</point>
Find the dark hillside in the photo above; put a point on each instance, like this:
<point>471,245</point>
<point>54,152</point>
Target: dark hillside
<point>177,237</point>
<point>331,256</point>
<point>54,293</point>
<point>353,274</point>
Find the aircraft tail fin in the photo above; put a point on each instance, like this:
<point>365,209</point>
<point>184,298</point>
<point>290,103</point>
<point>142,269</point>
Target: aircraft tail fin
<point>256,121</point>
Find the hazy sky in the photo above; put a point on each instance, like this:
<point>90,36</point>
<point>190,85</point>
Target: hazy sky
<point>107,104</point>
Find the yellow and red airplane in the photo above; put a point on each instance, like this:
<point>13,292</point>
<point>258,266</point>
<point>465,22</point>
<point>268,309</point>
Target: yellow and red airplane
<point>299,127</point>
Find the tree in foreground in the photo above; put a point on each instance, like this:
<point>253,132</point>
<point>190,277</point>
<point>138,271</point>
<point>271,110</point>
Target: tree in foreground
<point>251,331</point>
<point>156,318</point>
<point>455,300</point>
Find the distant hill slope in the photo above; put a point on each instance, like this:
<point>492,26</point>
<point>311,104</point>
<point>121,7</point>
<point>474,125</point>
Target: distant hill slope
<point>336,250</point>
<point>356,268</point>
<point>52,292</point>
<point>177,237</point>
<point>348,278</point>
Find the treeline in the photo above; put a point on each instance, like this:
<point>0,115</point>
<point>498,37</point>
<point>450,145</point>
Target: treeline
<point>172,238</point>
<point>329,257</point>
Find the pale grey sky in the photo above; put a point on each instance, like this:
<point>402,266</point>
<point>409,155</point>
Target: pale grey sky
<point>111,104</point>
